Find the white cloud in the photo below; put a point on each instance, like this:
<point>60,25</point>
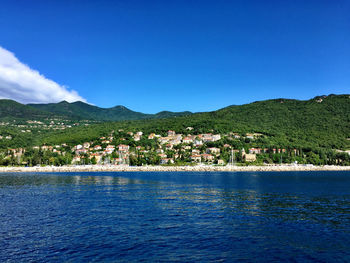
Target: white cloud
<point>21,83</point>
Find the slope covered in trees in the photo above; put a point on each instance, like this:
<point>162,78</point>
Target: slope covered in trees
<point>80,110</point>
<point>320,122</point>
<point>10,109</point>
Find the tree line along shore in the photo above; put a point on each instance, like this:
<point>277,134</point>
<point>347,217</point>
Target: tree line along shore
<point>279,131</point>
<point>196,168</point>
<point>135,148</point>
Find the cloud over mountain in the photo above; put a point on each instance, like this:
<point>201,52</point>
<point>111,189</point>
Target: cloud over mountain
<point>21,83</point>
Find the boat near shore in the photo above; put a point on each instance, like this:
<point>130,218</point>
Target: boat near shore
<point>196,168</point>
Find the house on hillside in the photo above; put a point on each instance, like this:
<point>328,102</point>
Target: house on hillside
<point>213,150</point>
<point>255,150</point>
<point>123,148</point>
<point>196,151</point>
<point>109,149</point>
<point>250,157</point>
<point>97,147</point>
<point>198,142</point>
<point>171,133</point>
<point>196,158</point>
<point>163,140</point>
<point>162,155</point>
<point>221,162</point>
<point>207,157</point>
<point>216,137</point>
<point>151,136</point>
<point>187,139</point>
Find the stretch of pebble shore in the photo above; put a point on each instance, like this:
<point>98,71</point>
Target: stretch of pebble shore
<point>197,168</point>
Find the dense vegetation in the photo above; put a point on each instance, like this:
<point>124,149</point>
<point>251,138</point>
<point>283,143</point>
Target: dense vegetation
<point>286,123</point>
<point>10,110</point>
<point>315,127</point>
<point>81,110</point>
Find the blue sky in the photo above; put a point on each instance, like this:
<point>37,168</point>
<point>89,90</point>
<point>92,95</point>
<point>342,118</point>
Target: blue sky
<point>179,55</point>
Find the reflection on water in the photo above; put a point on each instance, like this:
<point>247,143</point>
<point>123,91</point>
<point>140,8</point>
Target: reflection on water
<point>51,179</point>
<point>167,216</point>
<point>103,180</point>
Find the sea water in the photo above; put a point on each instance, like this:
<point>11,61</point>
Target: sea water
<point>175,216</point>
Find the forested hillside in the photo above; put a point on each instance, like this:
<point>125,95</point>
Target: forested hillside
<point>83,111</point>
<point>319,122</point>
<point>10,109</point>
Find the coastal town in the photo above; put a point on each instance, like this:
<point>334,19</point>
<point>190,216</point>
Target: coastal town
<point>135,148</point>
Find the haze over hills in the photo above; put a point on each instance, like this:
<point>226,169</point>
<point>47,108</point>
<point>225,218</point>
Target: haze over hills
<point>75,111</point>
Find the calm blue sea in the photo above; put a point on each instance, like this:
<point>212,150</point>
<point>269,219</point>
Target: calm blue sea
<point>139,216</point>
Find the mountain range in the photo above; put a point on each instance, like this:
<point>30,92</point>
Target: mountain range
<point>10,109</point>
<point>323,121</point>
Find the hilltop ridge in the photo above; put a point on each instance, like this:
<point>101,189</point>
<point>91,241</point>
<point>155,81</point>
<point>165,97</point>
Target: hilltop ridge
<point>10,109</point>
<point>297,123</point>
<point>323,121</point>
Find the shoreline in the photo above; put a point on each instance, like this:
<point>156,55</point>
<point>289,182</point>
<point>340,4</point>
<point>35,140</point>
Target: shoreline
<point>197,168</point>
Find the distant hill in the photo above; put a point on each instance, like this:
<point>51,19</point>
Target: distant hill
<point>81,110</point>
<point>323,121</point>
<point>10,109</point>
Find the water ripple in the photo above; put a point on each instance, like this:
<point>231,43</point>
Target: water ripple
<point>175,217</point>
